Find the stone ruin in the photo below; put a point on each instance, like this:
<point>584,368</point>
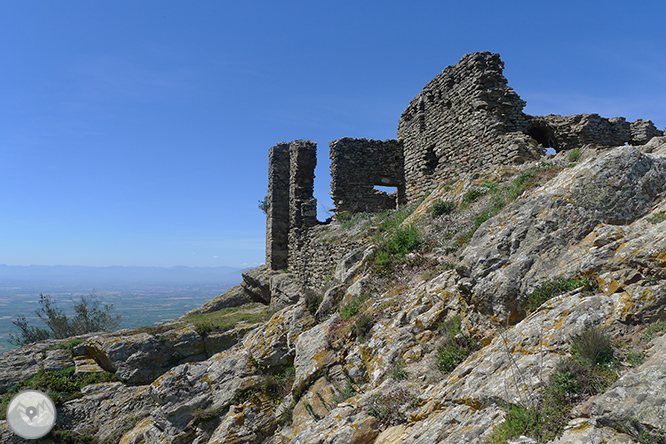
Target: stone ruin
<point>466,118</point>
<point>290,201</point>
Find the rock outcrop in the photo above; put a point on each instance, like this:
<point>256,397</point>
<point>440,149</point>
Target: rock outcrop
<point>432,324</point>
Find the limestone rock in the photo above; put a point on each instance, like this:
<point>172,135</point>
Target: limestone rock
<point>639,396</point>
<point>140,358</point>
<point>248,423</point>
<point>285,290</point>
<point>583,430</point>
<point>27,361</point>
<point>256,284</point>
<point>109,408</point>
<point>217,341</point>
<point>234,297</point>
<point>312,355</point>
<point>274,344</point>
<point>342,425</point>
<point>514,252</point>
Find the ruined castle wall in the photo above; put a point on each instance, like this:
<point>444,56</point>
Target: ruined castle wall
<point>290,202</point>
<point>315,252</point>
<point>466,117</point>
<point>566,132</point>
<point>277,200</point>
<point>357,165</point>
<point>642,131</point>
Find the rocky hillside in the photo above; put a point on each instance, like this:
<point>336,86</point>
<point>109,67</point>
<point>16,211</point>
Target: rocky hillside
<point>519,304</point>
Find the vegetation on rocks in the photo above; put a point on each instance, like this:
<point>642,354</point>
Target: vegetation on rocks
<point>589,370</point>
<point>90,316</point>
<point>61,386</point>
<point>227,318</point>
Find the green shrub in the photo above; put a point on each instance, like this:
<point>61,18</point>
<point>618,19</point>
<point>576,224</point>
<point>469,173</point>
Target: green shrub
<point>399,371</point>
<point>403,241</point>
<point>554,288</point>
<point>471,196</point>
<point>204,328</point>
<point>457,347</point>
<point>362,326</point>
<point>71,344</point>
<point>312,302</point>
<point>574,155</point>
<point>350,309</point>
<point>653,329</point>
<point>593,346</point>
<point>442,208</point>
<point>519,421</point>
<point>90,316</point>
<point>392,219</point>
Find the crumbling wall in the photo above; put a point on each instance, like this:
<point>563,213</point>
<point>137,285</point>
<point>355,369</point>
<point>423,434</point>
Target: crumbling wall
<point>290,201</point>
<point>566,132</point>
<point>357,166</point>
<point>466,117</point>
<point>316,252</point>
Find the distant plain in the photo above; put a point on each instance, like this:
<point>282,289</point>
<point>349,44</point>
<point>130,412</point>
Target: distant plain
<point>141,295</point>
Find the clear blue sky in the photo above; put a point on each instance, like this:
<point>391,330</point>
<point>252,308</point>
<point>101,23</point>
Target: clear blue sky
<point>137,132</point>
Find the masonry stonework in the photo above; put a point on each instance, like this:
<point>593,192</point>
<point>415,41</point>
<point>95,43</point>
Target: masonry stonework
<point>290,201</point>
<point>466,118</point>
<point>357,166</point>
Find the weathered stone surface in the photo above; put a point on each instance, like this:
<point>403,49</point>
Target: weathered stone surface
<point>86,366</point>
<point>234,297</point>
<point>514,252</point>
<point>638,396</point>
<point>257,285</point>
<point>285,291</point>
<point>274,345</point>
<point>217,341</point>
<point>25,362</point>
<point>312,355</point>
<point>342,425</point>
<point>248,423</point>
<point>110,409</point>
<point>584,430</point>
<point>140,358</point>
<point>455,424</point>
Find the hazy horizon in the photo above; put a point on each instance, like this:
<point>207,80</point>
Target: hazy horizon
<point>141,295</point>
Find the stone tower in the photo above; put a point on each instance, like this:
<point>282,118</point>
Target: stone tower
<point>290,200</point>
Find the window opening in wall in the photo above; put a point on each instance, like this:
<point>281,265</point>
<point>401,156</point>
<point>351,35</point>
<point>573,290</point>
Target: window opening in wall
<point>544,136</point>
<point>386,197</point>
<point>431,160</point>
<point>387,190</point>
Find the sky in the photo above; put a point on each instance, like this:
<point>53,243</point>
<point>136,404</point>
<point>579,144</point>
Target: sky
<point>137,132</point>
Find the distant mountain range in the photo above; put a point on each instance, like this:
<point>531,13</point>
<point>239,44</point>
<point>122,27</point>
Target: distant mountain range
<point>117,275</point>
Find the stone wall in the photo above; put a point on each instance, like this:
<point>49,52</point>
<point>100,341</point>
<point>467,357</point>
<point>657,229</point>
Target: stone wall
<point>314,253</point>
<point>466,117</point>
<point>357,165</point>
<point>290,204</point>
<point>567,132</point>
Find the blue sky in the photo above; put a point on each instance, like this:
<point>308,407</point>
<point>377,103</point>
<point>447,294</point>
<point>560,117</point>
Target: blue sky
<point>137,133</point>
